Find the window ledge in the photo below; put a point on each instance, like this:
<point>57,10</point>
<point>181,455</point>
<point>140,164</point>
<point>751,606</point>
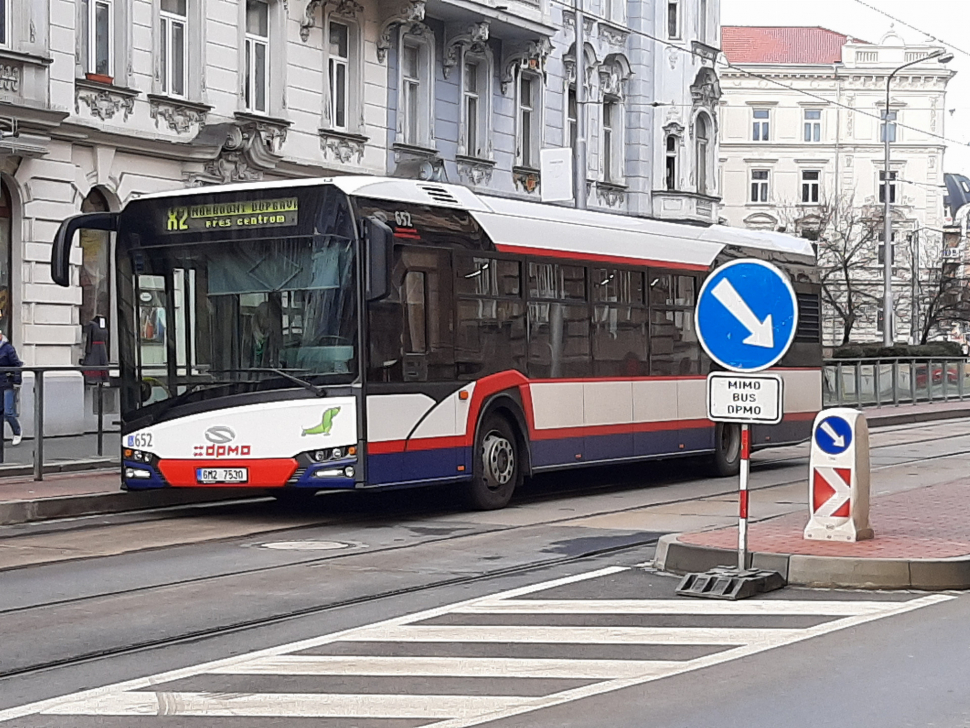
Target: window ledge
<point>99,86</point>
<point>255,118</point>
<point>463,159</point>
<point>415,149</point>
<point>31,59</point>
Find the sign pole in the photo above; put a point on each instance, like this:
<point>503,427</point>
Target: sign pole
<point>743,500</point>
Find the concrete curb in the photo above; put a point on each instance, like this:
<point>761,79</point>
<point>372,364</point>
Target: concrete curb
<point>73,506</point>
<point>902,417</point>
<point>821,571</point>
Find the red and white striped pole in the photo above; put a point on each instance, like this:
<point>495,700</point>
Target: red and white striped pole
<point>743,500</point>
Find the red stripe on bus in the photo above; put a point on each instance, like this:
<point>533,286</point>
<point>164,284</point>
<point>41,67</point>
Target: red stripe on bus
<point>264,473</point>
<point>597,258</point>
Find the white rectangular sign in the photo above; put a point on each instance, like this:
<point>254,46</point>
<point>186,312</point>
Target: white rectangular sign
<point>745,398</point>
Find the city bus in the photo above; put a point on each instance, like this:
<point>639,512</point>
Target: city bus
<point>364,332</point>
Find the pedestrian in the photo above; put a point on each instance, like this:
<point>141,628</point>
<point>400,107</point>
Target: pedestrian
<point>9,381</point>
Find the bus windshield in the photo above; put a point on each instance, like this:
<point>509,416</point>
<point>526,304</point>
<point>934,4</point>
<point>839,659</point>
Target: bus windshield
<point>256,311</point>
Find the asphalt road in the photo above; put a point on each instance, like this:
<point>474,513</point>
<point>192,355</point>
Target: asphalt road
<point>401,610</point>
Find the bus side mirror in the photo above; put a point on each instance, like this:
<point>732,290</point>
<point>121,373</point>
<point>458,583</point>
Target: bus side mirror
<point>61,251</point>
<point>379,241</point>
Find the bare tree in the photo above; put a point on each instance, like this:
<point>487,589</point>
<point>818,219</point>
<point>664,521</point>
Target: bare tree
<point>845,239</point>
<point>942,295</point>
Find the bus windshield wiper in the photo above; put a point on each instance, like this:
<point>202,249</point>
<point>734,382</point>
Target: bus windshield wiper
<point>318,391</point>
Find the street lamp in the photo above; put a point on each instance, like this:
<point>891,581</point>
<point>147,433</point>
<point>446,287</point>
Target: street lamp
<point>887,252</point>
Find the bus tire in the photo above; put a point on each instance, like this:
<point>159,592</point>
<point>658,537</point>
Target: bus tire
<point>727,449</point>
<point>497,468</point>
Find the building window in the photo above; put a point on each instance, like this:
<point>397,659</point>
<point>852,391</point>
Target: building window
<point>892,127</point>
<point>702,23</point>
<point>414,105</point>
<point>6,248</point>
<point>571,117</point>
<point>4,22</point>
<point>673,19</point>
<point>173,46</point>
<point>760,128</point>
<point>759,185</point>
<point>412,93</point>
<point>813,125</point>
<point>530,102</point>
<point>892,187</point>
<point>702,130</point>
<point>257,55</point>
<point>472,108</point>
<point>671,168</point>
<point>339,63</point>
<point>95,274</point>
<point>97,27</point>
<point>611,140</point>
<point>810,185</point>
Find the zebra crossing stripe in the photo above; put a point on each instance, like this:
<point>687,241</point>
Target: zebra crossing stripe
<point>383,666</point>
<point>289,705</point>
<point>775,608</point>
<point>576,635</point>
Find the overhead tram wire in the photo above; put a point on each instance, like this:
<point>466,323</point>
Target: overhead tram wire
<point>727,64</point>
<point>911,27</point>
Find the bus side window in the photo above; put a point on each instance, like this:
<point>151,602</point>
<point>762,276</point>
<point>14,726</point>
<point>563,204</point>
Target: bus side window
<point>416,311</point>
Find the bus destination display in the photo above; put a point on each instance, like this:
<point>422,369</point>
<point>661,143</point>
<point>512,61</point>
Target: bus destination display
<point>242,214</point>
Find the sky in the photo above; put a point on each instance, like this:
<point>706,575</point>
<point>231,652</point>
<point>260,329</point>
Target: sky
<point>942,19</point>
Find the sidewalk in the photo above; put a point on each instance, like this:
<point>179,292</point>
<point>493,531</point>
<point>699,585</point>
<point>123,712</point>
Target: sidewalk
<point>73,452</point>
<point>65,493</point>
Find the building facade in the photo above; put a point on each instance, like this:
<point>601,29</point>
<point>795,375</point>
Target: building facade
<point>802,149</point>
<point>105,100</point>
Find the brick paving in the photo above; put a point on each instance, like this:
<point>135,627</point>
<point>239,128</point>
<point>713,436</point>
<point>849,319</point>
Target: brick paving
<point>924,523</point>
<point>60,484</point>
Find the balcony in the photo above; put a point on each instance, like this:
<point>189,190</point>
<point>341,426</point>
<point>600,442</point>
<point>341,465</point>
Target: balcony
<point>685,206</point>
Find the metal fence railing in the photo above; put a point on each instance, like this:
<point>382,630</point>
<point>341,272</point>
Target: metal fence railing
<point>894,381</point>
<point>64,401</point>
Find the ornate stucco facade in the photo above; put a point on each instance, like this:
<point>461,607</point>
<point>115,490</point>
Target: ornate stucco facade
<point>106,100</point>
<point>801,134</point>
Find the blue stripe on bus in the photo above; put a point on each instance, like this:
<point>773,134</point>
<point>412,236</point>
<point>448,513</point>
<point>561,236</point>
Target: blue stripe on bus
<point>391,468</point>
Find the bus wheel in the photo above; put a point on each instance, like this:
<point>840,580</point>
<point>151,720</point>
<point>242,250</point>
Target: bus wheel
<point>727,449</point>
<point>497,468</point>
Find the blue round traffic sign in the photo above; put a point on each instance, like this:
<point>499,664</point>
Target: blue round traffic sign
<point>833,435</point>
<point>747,314</point>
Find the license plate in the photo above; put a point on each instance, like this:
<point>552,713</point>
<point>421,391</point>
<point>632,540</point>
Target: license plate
<point>222,475</point>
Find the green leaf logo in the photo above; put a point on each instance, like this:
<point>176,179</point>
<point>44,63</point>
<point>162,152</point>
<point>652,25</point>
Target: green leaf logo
<point>326,423</point>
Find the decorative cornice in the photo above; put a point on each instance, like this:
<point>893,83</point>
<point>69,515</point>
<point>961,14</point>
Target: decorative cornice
<point>9,78</point>
<point>411,12</point>
<point>472,39</point>
<point>531,57</point>
<point>418,163</point>
<point>179,115</point>
<point>30,59</point>
<point>613,35</point>
<point>346,8</point>
<point>526,179</point>
<point>474,171</point>
<point>249,147</point>
<point>103,100</point>
<point>341,146</point>
<point>611,195</point>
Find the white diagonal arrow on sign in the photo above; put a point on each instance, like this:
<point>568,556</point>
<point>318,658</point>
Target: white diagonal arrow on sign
<point>762,333</point>
<point>837,440</point>
<point>838,499</point>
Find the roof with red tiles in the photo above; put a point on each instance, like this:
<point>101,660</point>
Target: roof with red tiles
<point>747,44</point>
